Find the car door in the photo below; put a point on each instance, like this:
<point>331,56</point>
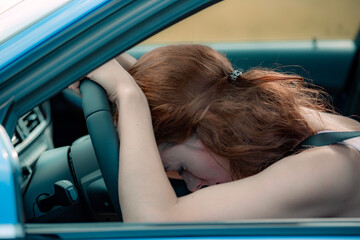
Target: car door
<point>11,217</point>
<point>104,32</point>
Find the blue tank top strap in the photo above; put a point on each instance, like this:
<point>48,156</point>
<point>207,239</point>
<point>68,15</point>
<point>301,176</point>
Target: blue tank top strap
<point>327,138</point>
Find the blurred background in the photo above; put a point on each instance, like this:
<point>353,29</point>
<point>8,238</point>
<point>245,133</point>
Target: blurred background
<point>263,20</point>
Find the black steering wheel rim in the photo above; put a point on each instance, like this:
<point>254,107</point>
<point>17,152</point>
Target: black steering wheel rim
<point>103,135</point>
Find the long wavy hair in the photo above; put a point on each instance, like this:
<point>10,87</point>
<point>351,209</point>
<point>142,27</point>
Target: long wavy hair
<point>253,122</point>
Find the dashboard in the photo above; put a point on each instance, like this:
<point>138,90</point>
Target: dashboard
<point>48,166</point>
<point>32,137</point>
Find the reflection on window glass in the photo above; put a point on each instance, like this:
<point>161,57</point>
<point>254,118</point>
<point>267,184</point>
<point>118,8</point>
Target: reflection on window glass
<point>6,4</point>
<point>17,15</point>
<point>272,20</point>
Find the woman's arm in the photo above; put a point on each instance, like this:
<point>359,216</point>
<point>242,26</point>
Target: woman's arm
<point>298,186</point>
<point>143,184</point>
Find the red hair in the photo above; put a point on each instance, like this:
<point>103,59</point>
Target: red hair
<point>253,122</point>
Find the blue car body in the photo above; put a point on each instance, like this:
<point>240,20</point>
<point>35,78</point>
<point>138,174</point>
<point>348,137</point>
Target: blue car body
<point>43,59</point>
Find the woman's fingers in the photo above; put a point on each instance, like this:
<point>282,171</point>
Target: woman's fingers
<point>111,76</point>
<point>75,87</point>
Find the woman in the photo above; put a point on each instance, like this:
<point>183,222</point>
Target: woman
<point>235,132</point>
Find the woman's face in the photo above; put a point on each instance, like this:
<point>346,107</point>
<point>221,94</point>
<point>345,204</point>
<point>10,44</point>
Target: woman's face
<point>195,164</point>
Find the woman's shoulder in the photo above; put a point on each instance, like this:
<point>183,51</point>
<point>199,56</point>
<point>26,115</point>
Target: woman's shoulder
<point>330,162</point>
<point>320,121</point>
<point>339,122</point>
<point>327,175</point>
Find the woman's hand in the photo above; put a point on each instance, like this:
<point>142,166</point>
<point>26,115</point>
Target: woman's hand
<point>112,77</point>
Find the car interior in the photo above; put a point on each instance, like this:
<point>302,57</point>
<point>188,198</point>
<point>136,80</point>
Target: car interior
<point>62,179</point>
<point>65,158</point>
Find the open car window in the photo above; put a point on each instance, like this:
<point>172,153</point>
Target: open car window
<point>35,74</point>
<point>259,21</point>
<point>293,36</point>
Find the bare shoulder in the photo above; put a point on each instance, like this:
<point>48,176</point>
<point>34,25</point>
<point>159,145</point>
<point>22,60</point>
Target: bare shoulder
<point>324,180</point>
<point>328,121</point>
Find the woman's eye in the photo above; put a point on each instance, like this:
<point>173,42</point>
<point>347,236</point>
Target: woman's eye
<point>181,170</point>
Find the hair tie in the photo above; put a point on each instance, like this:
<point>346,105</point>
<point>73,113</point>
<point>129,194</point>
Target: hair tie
<point>235,75</point>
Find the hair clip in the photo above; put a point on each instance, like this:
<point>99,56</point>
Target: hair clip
<point>235,75</point>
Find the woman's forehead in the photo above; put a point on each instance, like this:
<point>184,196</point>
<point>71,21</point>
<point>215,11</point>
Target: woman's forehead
<point>192,142</point>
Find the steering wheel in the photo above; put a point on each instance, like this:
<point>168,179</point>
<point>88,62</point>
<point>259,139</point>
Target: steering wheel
<point>103,135</point>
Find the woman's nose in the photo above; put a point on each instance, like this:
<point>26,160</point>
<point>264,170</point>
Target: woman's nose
<point>193,187</point>
<point>193,183</point>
